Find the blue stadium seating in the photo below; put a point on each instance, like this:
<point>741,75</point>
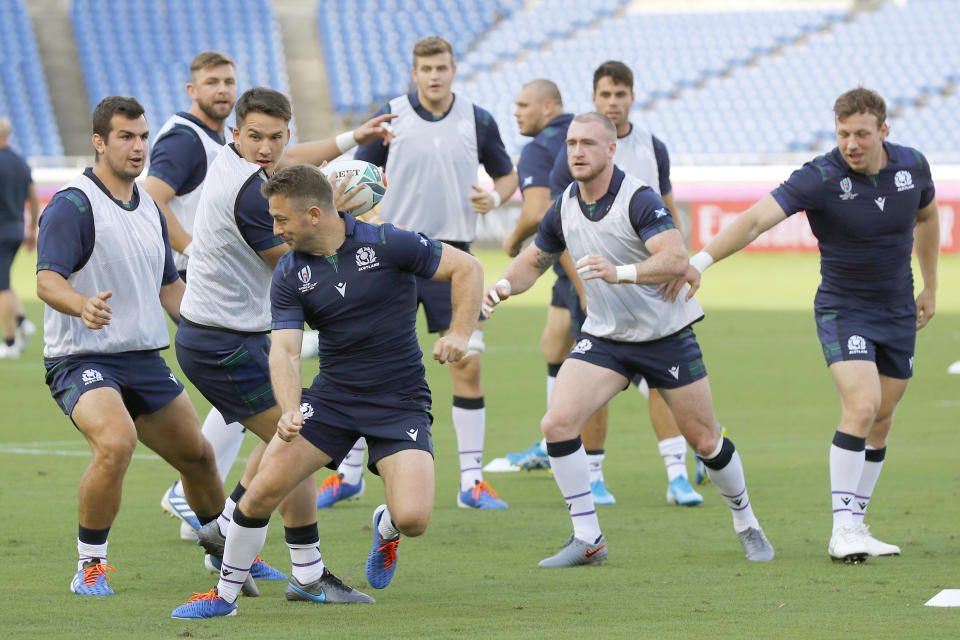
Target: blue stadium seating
<point>152,42</point>
<point>23,87</point>
<point>367,43</point>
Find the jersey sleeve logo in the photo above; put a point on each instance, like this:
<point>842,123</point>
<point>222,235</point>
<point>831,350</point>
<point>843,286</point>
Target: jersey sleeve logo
<point>903,180</point>
<point>366,258</point>
<point>846,185</point>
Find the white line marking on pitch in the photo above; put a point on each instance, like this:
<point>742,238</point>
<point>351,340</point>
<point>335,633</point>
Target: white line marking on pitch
<point>73,453</point>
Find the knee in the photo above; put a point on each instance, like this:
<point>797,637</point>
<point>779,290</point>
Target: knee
<point>557,427</point>
<point>706,443</point>
<point>862,413</point>
<point>411,523</point>
<point>255,503</point>
<point>114,453</point>
<point>200,456</point>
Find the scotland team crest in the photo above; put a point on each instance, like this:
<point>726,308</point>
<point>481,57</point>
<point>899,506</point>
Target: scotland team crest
<point>846,185</point>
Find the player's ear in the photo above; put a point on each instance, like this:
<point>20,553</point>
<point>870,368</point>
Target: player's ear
<point>884,131</point>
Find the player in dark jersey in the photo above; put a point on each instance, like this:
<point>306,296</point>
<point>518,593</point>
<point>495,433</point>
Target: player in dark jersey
<point>869,202</point>
<point>356,284</point>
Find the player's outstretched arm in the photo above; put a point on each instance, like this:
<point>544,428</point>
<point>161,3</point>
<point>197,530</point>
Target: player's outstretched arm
<point>745,228</point>
<point>926,235</point>
<point>54,289</point>
<point>285,379</point>
<point>520,275</point>
<point>318,152</point>
<point>170,297</point>
<point>536,201</point>
<point>465,275</point>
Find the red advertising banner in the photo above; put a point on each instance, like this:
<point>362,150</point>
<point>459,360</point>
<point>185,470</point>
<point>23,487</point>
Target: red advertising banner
<point>793,234</point>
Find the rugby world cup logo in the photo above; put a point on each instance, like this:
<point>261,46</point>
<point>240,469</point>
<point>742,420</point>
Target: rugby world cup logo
<point>304,274</point>
<point>846,185</point>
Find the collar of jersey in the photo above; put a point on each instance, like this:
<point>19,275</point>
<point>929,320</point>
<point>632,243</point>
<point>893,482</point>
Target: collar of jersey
<point>606,200</point>
<point>423,112</point>
<point>219,138</point>
<point>134,201</point>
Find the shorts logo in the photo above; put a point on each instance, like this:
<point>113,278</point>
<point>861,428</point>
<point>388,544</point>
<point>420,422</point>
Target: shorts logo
<point>304,275</point>
<point>856,345</point>
<point>903,181</point>
<point>173,378</point>
<point>306,409</point>
<point>413,434</point>
<point>910,362</point>
<point>583,346</point>
<point>91,375</point>
<point>847,186</point>
<point>366,258</point>
<point>675,371</point>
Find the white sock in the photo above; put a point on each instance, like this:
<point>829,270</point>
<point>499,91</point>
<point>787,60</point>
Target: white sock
<point>643,388</point>
<point>226,516</point>
<point>87,552</point>
<point>243,545</point>
<point>732,485</point>
<point>470,423</point>
<point>351,468</point>
<point>551,382</point>
<point>225,439</point>
<point>674,454</point>
<point>573,478</point>
<point>846,467</point>
<point>385,526</point>
<point>306,562</point>
<point>868,482</point>
<point>595,464</point>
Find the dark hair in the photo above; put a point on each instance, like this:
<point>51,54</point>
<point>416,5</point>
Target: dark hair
<point>616,71</point>
<point>431,46</point>
<point>111,106</point>
<point>207,59</point>
<point>606,123</point>
<point>860,100</point>
<point>265,101</point>
<point>304,183</point>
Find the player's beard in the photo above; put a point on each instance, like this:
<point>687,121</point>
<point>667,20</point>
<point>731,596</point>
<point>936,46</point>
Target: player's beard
<point>591,173</point>
<point>210,110</point>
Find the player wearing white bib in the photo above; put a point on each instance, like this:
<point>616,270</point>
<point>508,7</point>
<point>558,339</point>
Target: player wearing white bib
<point>431,165</point>
<point>183,150</point>
<point>106,273</point>
<point>642,155</point>
<point>608,218</point>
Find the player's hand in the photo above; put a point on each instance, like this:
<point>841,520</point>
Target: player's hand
<point>375,128</point>
<point>673,288</point>
<point>511,246</point>
<point>342,200</point>
<point>494,296</point>
<point>481,200</point>
<point>289,425</point>
<point>451,348</point>
<point>96,313</point>
<point>593,266</point>
<point>926,307</point>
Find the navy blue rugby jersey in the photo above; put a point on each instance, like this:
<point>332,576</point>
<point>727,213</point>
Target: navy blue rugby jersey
<point>363,302</point>
<point>863,223</point>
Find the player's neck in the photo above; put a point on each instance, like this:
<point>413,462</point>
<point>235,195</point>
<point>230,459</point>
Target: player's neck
<point>624,129</point>
<point>330,238</point>
<point>120,188</point>
<point>210,123</point>
<point>881,163</point>
<point>595,188</point>
<point>436,108</point>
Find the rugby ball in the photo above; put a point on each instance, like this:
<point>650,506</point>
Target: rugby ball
<point>363,179</point>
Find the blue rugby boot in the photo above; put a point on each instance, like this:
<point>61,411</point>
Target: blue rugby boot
<point>91,580</point>
<point>382,561</point>
<point>204,605</point>
<point>681,493</point>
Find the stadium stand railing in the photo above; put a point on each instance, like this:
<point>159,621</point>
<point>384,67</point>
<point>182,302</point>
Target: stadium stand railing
<point>24,97</point>
<point>152,42</point>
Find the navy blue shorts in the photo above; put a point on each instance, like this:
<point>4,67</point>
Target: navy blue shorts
<point>8,250</point>
<point>563,291</point>
<point>434,295</point>
<point>577,316</point>
<point>391,422</point>
<point>231,370</point>
<point>668,363</point>
<point>885,336</point>
<point>142,378</point>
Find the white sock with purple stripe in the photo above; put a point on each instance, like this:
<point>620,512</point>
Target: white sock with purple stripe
<point>726,472</point>
<point>243,545</point>
<point>469,421</point>
<point>846,467</point>
<point>872,465</point>
<point>305,558</point>
<point>674,454</point>
<point>351,468</point>
<point>87,552</point>
<point>568,460</point>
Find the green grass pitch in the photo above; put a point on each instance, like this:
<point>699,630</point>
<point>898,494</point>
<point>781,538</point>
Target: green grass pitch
<point>672,573</point>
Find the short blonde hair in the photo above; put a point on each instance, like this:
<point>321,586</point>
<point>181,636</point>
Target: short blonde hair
<point>431,46</point>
